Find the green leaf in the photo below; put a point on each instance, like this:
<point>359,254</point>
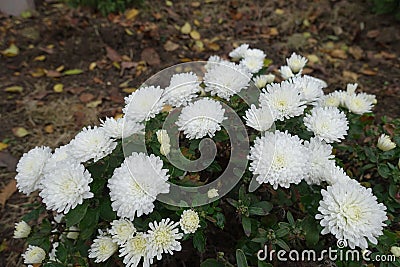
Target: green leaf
<point>310,227</point>
<point>88,225</point>
<point>106,211</point>
<point>282,244</point>
<point>211,263</point>
<point>220,220</point>
<point>246,222</point>
<point>61,253</point>
<point>383,170</point>
<point>282,232</point>
<point>260,208</point>
<point>290,218</point>
<point>233,202</point>
<point>370,154</point>
<point>241,258</point>
<point>76,215</point>
<point>199,241</point>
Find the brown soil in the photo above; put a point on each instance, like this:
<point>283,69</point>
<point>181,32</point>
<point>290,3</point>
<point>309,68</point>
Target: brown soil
<point>351,43</point>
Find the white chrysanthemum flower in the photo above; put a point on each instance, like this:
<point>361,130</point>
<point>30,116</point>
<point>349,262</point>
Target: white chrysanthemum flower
<point>279,159</point>
<point>212,193</point>
<point>226,79</point>
<point>351,88</point>
<point>253,60</point>
<point>182,88</point>
<point>164,140</point>
<point>122,230</point>
<point>395,251</point>
<point>163,238</point>
<point>260,119</point>
<point>60,154</point>
<point>296,62</point>
<point>189,221</point>
<point>385,143</point>
<point>327,123</point>
<point>102,248</point>
<point>284,100</point>
<point>22,230</point>
<point>351,212</point>
<point>135,185</point>
<point>286,72</point>
<point>134,249</point>
<point>34,255</point>
<point>201,118</point>
<point>333,99</point>
<point>334,174</point>
<point>310,89</point>
<point>262,80</point>
<point>239,52</point>
<point>320,160</point>
<point>66,187</point>
<point>30,169</point>
<point>120,128</point>
<point>91,143</point>
<point>143,104</point>
<point>359,103</point>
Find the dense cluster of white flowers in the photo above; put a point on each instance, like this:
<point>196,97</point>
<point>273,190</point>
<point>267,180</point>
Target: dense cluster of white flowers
<point>279,158</point>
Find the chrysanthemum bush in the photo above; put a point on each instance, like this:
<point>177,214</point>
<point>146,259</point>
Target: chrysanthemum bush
<point>319,168</point>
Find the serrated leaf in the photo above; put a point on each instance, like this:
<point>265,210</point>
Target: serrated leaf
<point>241,258</point>
<point>73,72</point>
<point>76,215</point>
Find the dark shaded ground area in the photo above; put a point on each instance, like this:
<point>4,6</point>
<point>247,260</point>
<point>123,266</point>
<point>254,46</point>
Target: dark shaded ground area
<point>344,41</point>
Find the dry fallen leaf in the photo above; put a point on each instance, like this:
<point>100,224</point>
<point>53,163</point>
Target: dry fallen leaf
<point>58,88</point>
<point>40,58</point>
<point>11,51</point>
<point>3,146</point>
<point>170,46</point>
<point>350,75</point>
<point>369,72</point>
<point>131,14</point>
<point>129,90</point>
<point>14,89</point>
<point>7,192</point>
<point>93,104</point>
<point>356,52</point>
<point>92,66</point>
<point>86,97</point>
<point>150,56</point>
<point>339,53</point>
<point>49,128</point>
<point>53,74</point>
<point>20,131</point>
<point>39,72</point>
<point>73,72</point>
<point>186,28</point>
<point>214,46</point>
<point>195,35</point>
<point>113,55</point>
